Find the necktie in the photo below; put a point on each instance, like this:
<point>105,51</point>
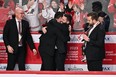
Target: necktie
<point>87,32</point>
<point>20,33</point>
<point>20,30</point>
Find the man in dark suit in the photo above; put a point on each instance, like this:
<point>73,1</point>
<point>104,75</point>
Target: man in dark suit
<point>94,46</point>
<point>16,35</point>
<point>52,40</point>
<point>61,51</point>
<point>102,16</point>
<point>47,43</point>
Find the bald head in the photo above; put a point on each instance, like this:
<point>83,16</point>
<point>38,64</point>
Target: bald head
<point>19,13</point>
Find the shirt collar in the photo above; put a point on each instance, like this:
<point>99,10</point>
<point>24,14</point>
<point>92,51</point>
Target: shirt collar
<point>96,24</point>
<point>17,20</point>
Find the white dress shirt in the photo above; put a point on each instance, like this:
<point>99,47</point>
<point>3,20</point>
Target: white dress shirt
<point>93,28</point>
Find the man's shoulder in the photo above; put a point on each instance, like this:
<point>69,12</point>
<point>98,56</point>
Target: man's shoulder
<point>52,20</point>
<point>103,14</point>
<point>25,20</point>
<point>100,27</point>
<point>10,21</point>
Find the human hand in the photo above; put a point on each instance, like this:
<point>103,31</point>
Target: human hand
<point>44,30</point>
<point>34,51</point>
<point>30,3</point>
<point>85,37</point>
<point>84,58</point>
<point>101,19</point>
<point>61,6</point>
<point>39,15</point>
<point>70,4</point>
<point>41,1</point>
<point>82,6</point>
<point>10,49</point>
<point>44,4</point>
<point>69,28</point>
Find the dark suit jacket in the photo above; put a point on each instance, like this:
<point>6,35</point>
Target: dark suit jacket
<point>95,47</point>
<point>62,45</point>
<point>106,22</point>
<point>48,40</point>
<point>10,34</point>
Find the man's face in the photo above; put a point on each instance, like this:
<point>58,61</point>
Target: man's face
<point>54,4</point>
<point>20,14</point>
<point>64,20</point>
<point>89,20</point>
<point>59,20</point>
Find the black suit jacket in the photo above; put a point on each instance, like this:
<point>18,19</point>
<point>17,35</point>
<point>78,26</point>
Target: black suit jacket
<point>48,40</point>
<point>62,45</point>
<point>10,35</point>
<point>95,47</point>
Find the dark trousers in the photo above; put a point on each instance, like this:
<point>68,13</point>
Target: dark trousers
<point>59,60</point>
<point>94,65</point>
<point>18,57</point>
<point>47,62</point>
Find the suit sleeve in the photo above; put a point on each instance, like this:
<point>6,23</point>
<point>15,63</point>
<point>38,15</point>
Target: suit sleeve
<point>6,33</point>
<point>100,39</point>
<point>56,31</point>
<point>29,38</point>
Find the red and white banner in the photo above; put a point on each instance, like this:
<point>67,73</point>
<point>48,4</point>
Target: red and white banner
<point>74,55</point>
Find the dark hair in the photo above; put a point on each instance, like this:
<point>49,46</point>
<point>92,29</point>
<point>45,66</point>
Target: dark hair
<point>69,18</point>
<point>93,15</point>
<point>97,6</point>
<point>58,15</point>
<point>55,1</point>
<point>102,14</point>
<point>13,16</point>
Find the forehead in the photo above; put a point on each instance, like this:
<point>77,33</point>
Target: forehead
<point>19,10</point>
<point>88,17</point>
<point>53,2</point>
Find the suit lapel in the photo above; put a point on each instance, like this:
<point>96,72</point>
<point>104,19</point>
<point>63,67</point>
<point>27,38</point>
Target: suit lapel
<point>15,26</point>
<point>94,30</point>
<point>22,26</point>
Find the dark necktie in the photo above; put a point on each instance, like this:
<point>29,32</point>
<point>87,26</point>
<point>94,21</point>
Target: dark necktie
<point>20,28</point>
<point>87,32</point>
<point>20,33</point>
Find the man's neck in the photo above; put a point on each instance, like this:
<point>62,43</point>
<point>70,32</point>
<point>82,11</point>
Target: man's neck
<point>17,19</point>
<point>96,23</point>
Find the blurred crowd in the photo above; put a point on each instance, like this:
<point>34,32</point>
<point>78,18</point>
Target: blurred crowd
<point>39,12</point>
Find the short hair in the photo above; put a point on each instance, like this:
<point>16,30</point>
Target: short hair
<point>97,5</point>
<point>69,18</point>
<point>58,15</point>
<point>93,15</point>
<point>57,1</point>
<point>102,14</point>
